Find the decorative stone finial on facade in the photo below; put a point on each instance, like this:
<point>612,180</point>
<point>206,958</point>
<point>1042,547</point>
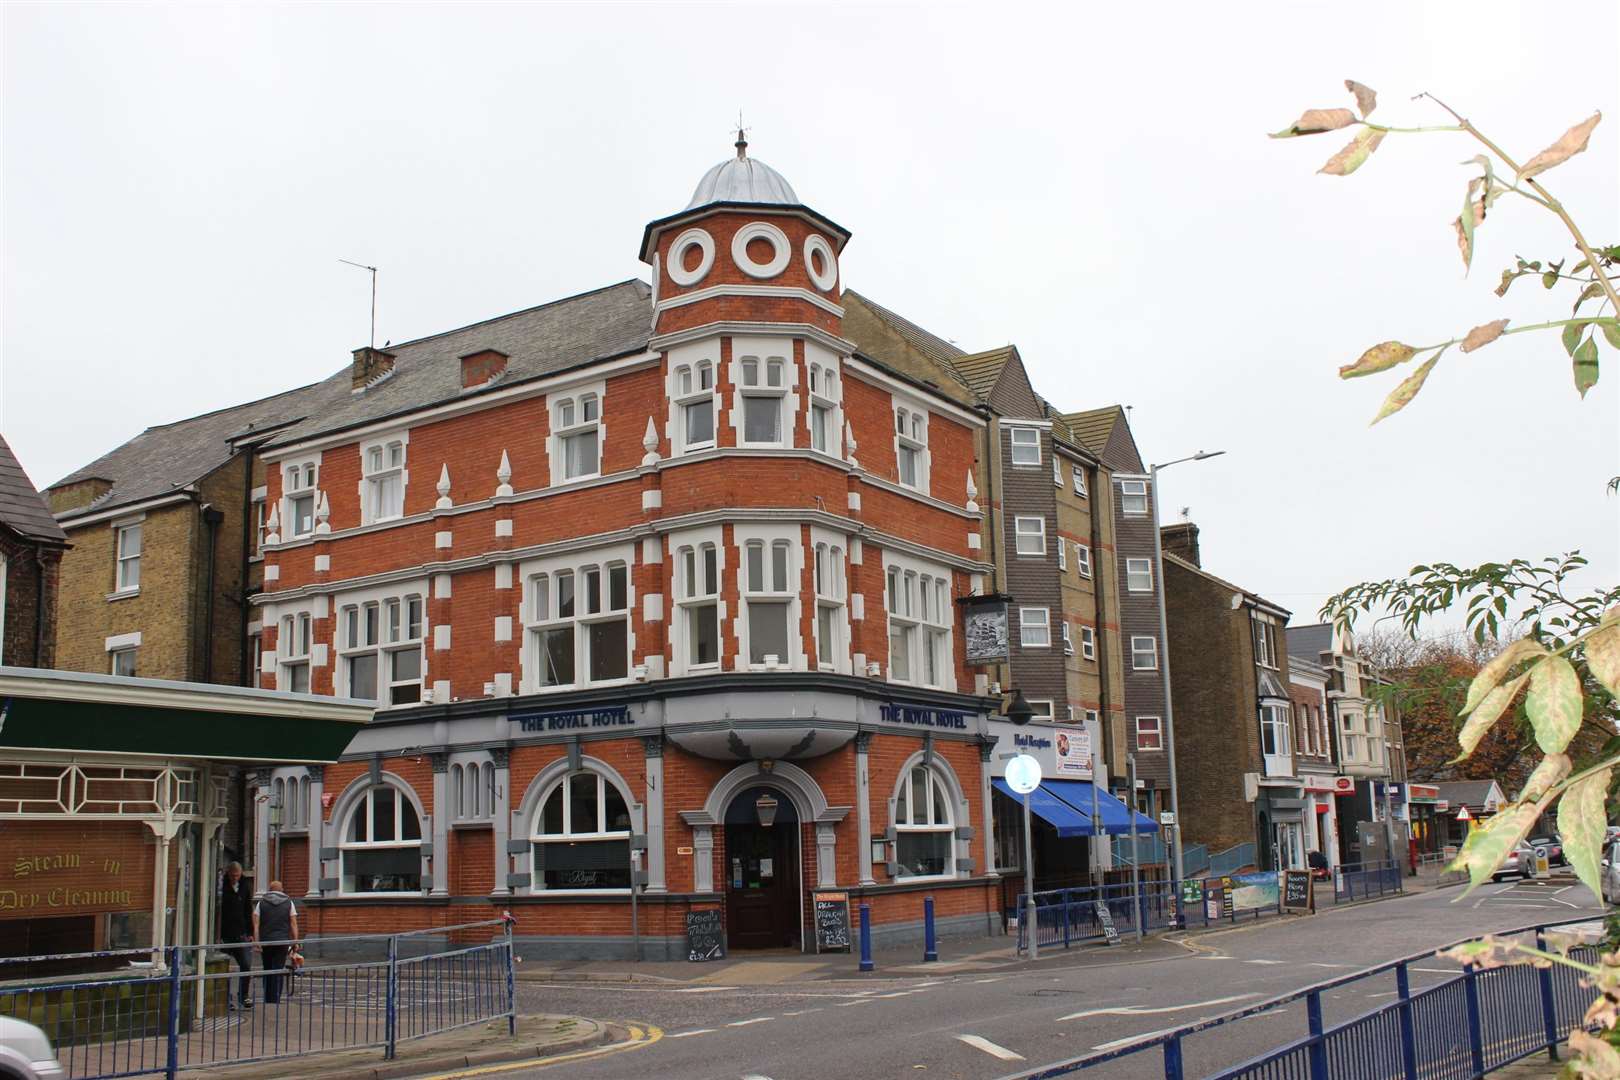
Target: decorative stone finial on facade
<point>649,443</point>
<point>503,476</point>
<point>272,527</point>
<point>849,443</point>
<point>972,494</point>
<point>444,488</point>
<point>323,512</point>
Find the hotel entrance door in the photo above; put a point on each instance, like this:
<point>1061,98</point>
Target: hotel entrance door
<point>762,872</point>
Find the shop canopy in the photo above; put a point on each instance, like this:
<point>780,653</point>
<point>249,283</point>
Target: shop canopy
<point>1066,806</point>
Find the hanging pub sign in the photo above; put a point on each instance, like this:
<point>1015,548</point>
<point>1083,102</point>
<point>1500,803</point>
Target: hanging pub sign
<point>984,621</point>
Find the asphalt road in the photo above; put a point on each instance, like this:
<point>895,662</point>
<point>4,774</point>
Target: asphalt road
<point>985,1024</point>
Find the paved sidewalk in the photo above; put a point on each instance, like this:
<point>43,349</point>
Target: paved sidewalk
<point>538,1036</point>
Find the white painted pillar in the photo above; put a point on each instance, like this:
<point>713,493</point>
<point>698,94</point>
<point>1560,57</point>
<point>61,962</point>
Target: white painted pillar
<point>654,824</point>
<point>987,800</point>
<point>863,805</point>
<point>259,793</point>
<point>317,830</point>
<point>441,824</point>
<point>502,758</point>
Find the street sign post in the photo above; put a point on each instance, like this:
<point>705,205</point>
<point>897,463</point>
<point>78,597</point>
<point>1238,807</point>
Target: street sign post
<point>1024,776</point>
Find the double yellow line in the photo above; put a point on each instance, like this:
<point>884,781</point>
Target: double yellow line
<point>640,1036</point>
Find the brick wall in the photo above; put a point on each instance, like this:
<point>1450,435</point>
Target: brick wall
<point>30,567</point>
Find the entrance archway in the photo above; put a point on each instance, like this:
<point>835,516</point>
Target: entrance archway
<point>764,870</point>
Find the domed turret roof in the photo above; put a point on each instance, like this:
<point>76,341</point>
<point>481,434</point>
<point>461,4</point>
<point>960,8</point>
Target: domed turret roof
<point>743,179</point>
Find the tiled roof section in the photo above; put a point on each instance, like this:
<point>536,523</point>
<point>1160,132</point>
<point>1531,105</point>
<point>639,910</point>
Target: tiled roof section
<point>1093,426</point>
<point>166,458</point>
<point>544,340</point>
<point>1472,793</point>
<point>22,508</point>
<point>981,371</point>
<point>893,342</point>
<point>1310,641</point>
<point>935,348</point>
<point>1254,596</point>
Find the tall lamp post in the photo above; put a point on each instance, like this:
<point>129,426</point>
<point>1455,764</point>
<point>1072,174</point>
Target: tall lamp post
<point>1164,657</point>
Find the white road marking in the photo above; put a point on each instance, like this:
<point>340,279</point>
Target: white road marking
<point>755,1020</point>
<point>993,978</point>
<point>847,1004</point>
<point>755,1076</point>
<point>703,989</point>
<point>1265,961</point>
<point>802,1012</point>
<point>695,1031</point>
<point>1141,1010</point>
<point>979,1042</point>
<point>1322,965</point>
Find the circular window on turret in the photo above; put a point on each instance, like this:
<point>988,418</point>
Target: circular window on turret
<point>690,257</point>
<point>761,249</point>
<point>820,261</point>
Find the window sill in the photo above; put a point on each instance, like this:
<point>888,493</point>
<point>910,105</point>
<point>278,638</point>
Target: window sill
<point>564,893</point>
<point>416,893</point>
<point>574,687</point>
<point>123,594</point>
<point>917,879</point>
<point>473,823</point>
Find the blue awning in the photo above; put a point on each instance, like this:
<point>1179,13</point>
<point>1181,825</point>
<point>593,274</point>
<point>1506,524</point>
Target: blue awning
<point>1116,816</point>
<point>1049,808</point>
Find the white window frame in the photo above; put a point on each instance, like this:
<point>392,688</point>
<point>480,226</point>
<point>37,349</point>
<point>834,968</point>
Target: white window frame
<point>829,581</point>
<point>1265,643</point>
<point>693,591</point>
<point>127,563</point>
<point>754,364</point>
<point>1022,531</point>
<point>1043,708</point>
<point>576,413</point>
<point>363,805</point>
<point>690,368</point>
<point>1082,559</point>
<point>577,567</point>
<point>295,649</point>
<point>826,395</point>
<point>911,436</point>
<point>1129,492</point>
<point>769,540</point>
<point>937,795</point>
<point>1149,726</point>
<point>1139,571</point>
<point>1063,555</point>
<point>538,838</point>
<point>383,459</point>
<point>1068,642</point>
<point>382,623</point>
<point>1088,643</point>
<point>1274,718</point>
<point>1032,618</point>
<point>300,480</point>
<point>123,652</point>
<point>1026,451</point>
<point>1079,479</point>
<point>261,516</point>
<point>1057,471</point>
<point>919,599</point>
<point>1138,650</point>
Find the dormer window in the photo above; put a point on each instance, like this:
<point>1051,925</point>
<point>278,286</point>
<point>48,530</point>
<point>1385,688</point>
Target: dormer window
<point>911,447</point>
<point>384,469</point>
<point>298,482</point>
<point>764,389</point>
<point>576,439</point>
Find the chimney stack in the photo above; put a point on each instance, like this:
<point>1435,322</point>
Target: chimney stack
<point>1181,540</point>
<point>370,364</point>
<point>480,367</point>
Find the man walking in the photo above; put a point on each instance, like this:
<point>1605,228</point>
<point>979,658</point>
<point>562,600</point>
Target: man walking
<point>236,929</point>
<point>275,918</point>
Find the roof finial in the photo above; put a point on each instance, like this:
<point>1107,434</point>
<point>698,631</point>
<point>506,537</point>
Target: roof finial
<point>742,138</point>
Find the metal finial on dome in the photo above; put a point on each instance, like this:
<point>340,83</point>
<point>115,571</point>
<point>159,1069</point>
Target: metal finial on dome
<point>742,138</point>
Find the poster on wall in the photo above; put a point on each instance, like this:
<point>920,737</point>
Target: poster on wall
<point>1073,752</point>
<point>1258,891</point>
<point>985,629</point>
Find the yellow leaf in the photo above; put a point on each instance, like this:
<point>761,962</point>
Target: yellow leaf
<point>1552,770</point>
<point>1554,703</point>
<point>1603,655</point>
<point>1316,121</point>
<point>1380,357</point>
<point>1366,99</point>
<point>1486,713</point>
<point>1582,823</point>
<point>1568,145</point>
<point>1403,394</point>
<point>1356,151</point>
<point>1483,334</point>
<point>1488,845</point>
<point>1497,667</point>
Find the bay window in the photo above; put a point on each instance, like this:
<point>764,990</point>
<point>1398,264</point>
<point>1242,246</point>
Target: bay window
<point>1274,743</point>
<point>581,835</point>
<point>697,600</point>
<point>693,393</point>
<point>763,385</point>
<point>920,614</point>
<point>831,652</point>
<point>293,652</point>
<point>925,832</point>
<point>768,586</point>
<point>826,393</point>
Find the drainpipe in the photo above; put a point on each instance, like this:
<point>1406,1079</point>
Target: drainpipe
<point>249,535</point>
<point>39,607</point>
<point>212,516</point>
<point>992,466</point>
<point>1099,588</point>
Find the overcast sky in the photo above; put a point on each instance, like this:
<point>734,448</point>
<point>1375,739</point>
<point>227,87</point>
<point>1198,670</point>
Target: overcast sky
<point>1092,183</point>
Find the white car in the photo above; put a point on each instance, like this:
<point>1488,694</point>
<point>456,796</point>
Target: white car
<point>25,1052</point>
<point>1520,863</point>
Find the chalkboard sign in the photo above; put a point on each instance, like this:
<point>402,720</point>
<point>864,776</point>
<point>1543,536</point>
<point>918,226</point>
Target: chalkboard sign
<point>1296,895</point>
<point>832,922</point>
<point>1106,919</point>
<point>705,938</point>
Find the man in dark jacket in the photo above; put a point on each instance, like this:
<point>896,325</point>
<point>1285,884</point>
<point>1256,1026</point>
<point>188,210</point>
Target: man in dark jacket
<point>275,919</point>
<point>236,928</point>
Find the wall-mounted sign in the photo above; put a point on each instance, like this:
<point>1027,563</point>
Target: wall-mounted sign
<point>576,719</point>
<point>1073,752</point>
<point>919,716</point>
<point>984,628</point>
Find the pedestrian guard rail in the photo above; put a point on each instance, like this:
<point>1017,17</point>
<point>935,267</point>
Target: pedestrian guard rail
<point>1150,848</point>
<point>1194,858</point>
<point>1067,917</point>
<point>1231,860</point>
<point>350,992</point>
<point>1463,1025</point>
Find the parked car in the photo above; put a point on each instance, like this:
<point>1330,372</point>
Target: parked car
<point>1609,872</point>
<point>25,1052</point>
<point>1520,863</point>
<point>1552,847</point>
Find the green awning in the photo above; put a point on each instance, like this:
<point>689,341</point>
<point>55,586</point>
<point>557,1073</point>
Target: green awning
<point>80,712</point>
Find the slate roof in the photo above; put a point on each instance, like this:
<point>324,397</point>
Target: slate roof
<point>1310,641</point>
<point>902,346</point>
<point>980,372</point>
<point>544,340</point>
<point>167,457</point>
<point>1185,565</point>
<point>1470,793</point>
<point>1093,426</point>
<point>933,347</point>
<point>22,508</point>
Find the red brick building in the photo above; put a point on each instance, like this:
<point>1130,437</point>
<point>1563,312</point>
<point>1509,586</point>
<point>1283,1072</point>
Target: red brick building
<point>658,589</point>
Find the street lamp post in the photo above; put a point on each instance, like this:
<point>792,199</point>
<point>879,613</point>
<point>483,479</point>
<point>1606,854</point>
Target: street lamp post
<point>1164,657</point>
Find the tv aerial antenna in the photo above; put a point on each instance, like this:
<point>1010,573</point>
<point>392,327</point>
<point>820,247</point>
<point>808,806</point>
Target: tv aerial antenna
<point>373,269</point>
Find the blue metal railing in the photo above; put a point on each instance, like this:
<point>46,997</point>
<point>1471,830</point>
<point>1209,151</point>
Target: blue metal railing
<point>1150,848</point>
<point>1363,881</point>
<point>1467,1025</point>
<point>1194,858</point>
<point>1231,860</point>
<point>377,990</point>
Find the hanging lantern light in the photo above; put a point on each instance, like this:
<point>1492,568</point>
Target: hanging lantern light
<point>765,807</point>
